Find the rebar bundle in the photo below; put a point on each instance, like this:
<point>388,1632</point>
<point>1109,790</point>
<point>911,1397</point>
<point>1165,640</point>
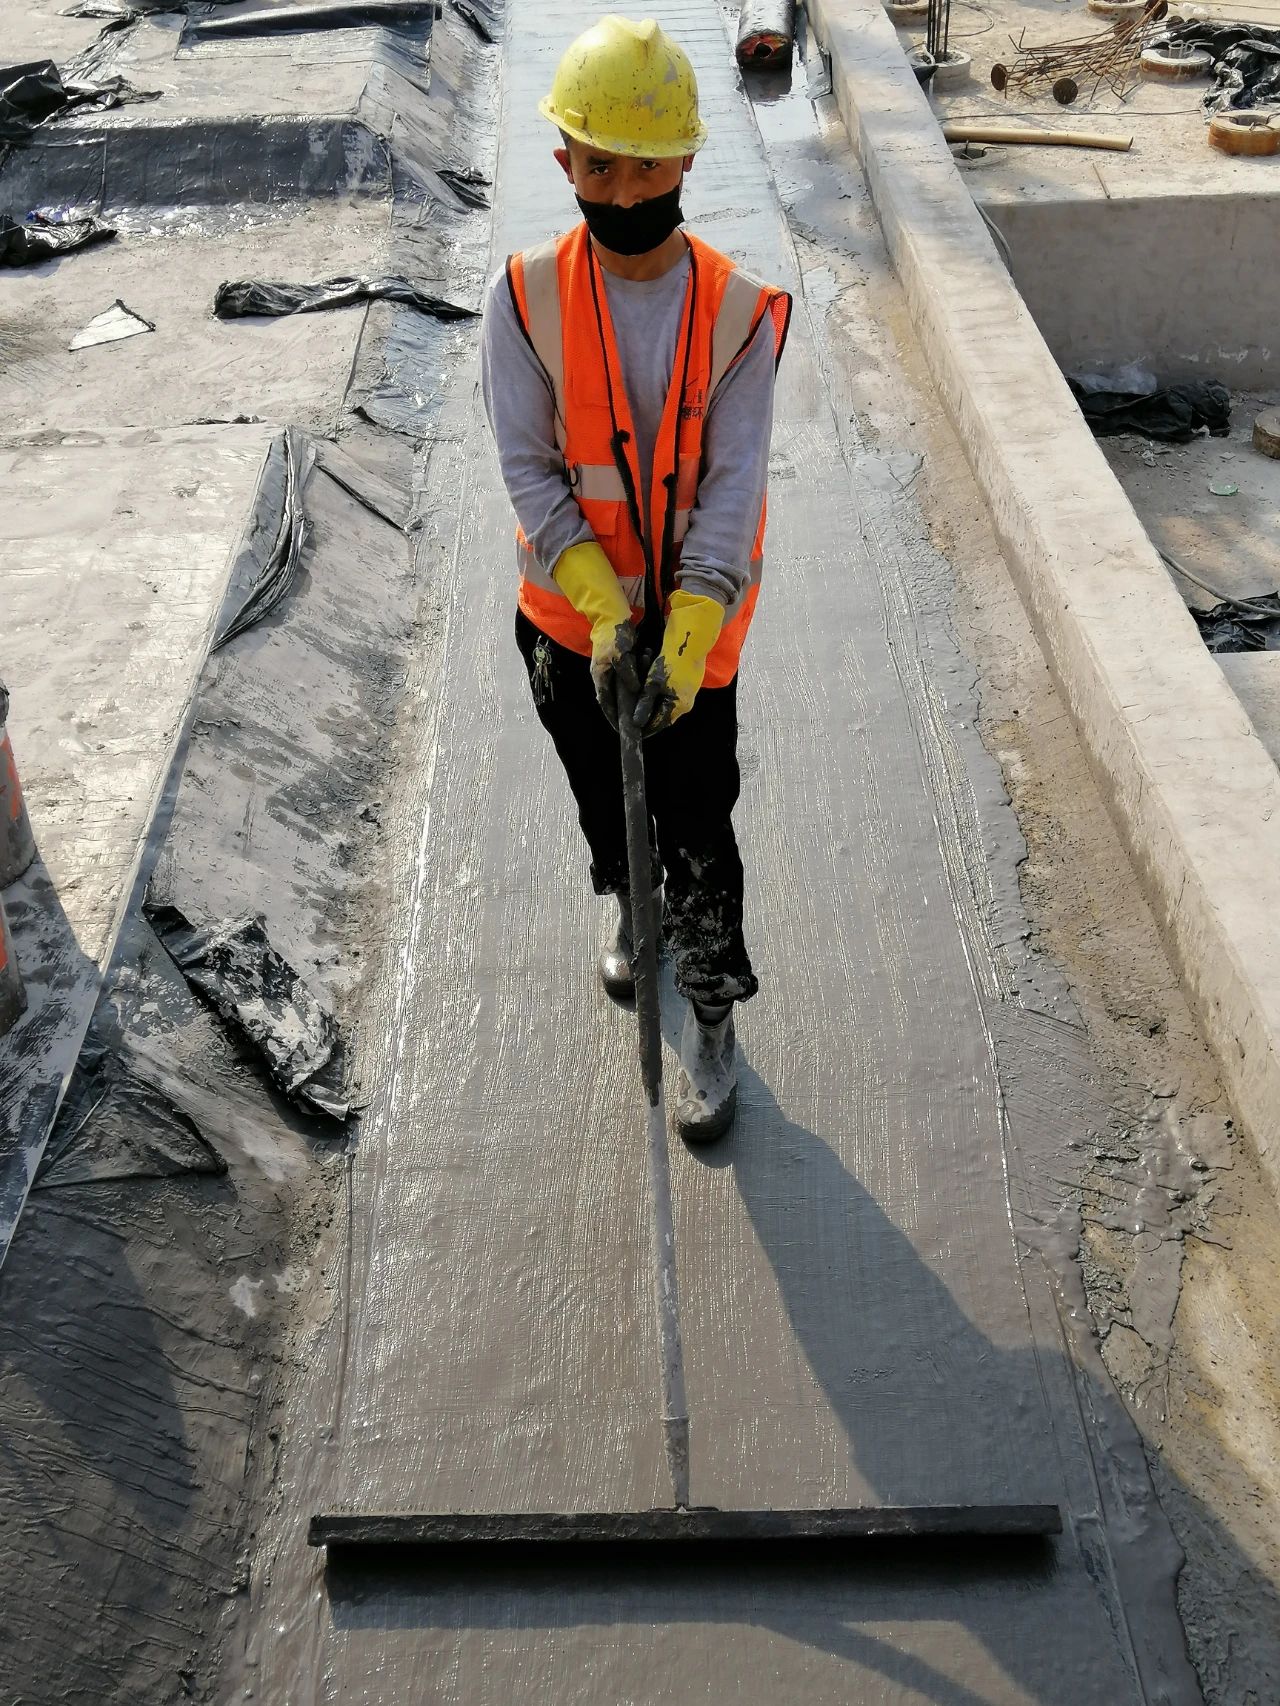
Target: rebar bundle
<point>938,30</point>
<point>1111,56</point>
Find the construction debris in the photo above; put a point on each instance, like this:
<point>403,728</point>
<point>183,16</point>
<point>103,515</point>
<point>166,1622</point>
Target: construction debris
<point>1245,59</point>
<point>1112,56</point>
<point>256,296</point>
<point>110,326</point>
<point>1172,414</point>
<point>234,966</point>
<point>39,238</point>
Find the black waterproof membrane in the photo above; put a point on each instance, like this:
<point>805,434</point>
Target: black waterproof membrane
<point>1172,414</point>
<point>268,557</point>
<point>31,95</point>
<point>1246,61</point>
<point>235,968</point>
<point>39,238</point>
<point>256,296</point>
<point>114,1125</point>
<point>254,18</point>
<point>1237,626</point>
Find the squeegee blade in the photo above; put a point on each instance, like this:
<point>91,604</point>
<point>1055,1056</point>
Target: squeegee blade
<point>673,1527</point>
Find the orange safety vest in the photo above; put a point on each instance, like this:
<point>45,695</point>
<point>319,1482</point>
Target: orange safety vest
<point>559,299</point>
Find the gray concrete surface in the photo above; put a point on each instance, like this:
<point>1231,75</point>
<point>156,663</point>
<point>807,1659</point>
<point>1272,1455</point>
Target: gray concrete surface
<point>857,1323</point>
<point>116,558</point>
<point>1197,796</point>
<point>165,1447</point>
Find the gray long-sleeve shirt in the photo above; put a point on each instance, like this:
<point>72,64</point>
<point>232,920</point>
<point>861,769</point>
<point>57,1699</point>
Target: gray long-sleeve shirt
<point>646,317</point>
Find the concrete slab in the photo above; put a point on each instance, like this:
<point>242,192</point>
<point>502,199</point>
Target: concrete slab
<point>1195,794</point>
<point>116,554</point>
<point>193,366</point>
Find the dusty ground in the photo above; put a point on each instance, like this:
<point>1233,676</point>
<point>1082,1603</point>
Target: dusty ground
<point>1181,1236</point>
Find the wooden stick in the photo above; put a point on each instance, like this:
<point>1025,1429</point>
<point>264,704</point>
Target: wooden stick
<point>964,132</point>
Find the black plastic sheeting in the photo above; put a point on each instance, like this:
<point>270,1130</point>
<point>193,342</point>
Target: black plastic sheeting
<point>32,94</point>
<point>260,995</point>
<point>256,19</point>
<point>114,1125</point>
<point>257,296</point>
<point>1233,627</point>
<point>478,19</point>
<point>40,239</point>
<point>1171,414</point>
<point>268,559</point>
<point>1246,62</point>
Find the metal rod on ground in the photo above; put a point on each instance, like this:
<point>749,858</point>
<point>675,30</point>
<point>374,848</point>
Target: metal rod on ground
<point>675,1408</point>
<point>1016,133</point>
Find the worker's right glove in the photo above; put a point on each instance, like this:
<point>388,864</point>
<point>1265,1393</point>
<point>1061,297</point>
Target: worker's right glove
<point>585,576</point>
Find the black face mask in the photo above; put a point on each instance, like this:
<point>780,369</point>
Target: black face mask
<point>633,230</point>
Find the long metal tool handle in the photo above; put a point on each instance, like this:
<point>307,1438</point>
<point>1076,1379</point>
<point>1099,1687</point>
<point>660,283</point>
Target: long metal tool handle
<point>644,920</point>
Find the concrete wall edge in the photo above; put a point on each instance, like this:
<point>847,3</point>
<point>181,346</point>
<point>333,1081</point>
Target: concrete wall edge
<point>1219,913</point>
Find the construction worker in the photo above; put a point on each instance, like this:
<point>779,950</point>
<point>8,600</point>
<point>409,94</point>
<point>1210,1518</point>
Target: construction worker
<point>628,376</point>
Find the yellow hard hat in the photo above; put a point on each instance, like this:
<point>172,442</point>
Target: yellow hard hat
<point>627,88</point>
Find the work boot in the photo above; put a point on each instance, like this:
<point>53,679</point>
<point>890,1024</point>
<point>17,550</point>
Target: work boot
<point>707,1083</point>
<point>616,971</point>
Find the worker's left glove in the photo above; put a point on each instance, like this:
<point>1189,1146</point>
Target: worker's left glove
<point>671,686</point>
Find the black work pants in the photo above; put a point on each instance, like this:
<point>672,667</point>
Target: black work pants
<point>691,784</point>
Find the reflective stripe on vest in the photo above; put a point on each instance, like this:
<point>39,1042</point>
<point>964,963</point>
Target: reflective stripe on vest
<point>561,306</point>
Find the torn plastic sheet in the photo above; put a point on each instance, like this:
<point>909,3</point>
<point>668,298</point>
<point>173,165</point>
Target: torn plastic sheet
<point>1246,61</point>
<point>469,187</point>
<point>268,559</point>
<point>114,1125</point>
<point>256,296</point>
<point>40,238</point>
<point>1172,414</point>
<point>479,20</point>
<point>235,968</point>
<point>253,18</point>
<point>128,11</point>
<point>31,95</point>
<point>110,326</point>
<point>1231,627</point>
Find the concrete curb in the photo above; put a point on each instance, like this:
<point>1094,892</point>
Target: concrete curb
<point>1192,789</point>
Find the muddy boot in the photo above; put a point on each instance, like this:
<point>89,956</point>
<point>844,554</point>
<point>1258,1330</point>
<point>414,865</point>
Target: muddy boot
<point>707,1083</point>
<point>616,971</point>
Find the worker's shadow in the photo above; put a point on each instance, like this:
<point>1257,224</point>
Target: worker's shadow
<point>924,1400</point>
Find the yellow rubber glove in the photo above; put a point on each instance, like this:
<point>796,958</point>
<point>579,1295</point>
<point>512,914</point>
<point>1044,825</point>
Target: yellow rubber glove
<point>693,627</point>
<point>585,576</point>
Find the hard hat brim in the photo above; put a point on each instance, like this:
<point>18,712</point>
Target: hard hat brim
<point>649,149</point>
